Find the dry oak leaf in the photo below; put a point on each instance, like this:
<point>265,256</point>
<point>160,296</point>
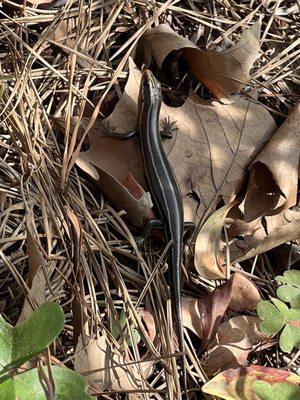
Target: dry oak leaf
<point>274,173</point>
<point>234,341</point>
<point>278,229</point>
<point>110,163</point>
<point>221,72</point>
<point>209,152</point>
<point>244,294</point>
<point>106,367</point>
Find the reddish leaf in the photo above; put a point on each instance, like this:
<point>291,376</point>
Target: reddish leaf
<point>203,316</point>
<point>236,384</point>
<point>212,308</point>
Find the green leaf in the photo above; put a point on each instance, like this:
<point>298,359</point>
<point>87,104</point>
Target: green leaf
<point>289,338</point>
<point>116,333</point>
<point>27,386</point>
<point>291,277</point>
<point>282,307</point>
<point>295,302</point>
<point>296,336</point>
<point>24,341</point>
<point>272,319</point>
<point>286,340</point>
<point>294,315</point>
<point>277,391</point>
<point>263,390</point>
<point>288,292</point>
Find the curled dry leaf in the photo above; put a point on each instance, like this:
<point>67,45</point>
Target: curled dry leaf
<point>280,228</point>
<point>203,316</point>
<point>237,226</point>
<point>274,173</point>
<point>209,153</point>
<point>106,367</point>
<point>208,257</point>
<point>221,72</point>
<point>212,308</point>
<point>36,277</point>
<point>191,318</point>
<point>237,383</point>
<point>244,295</point>
<point>234,341</point>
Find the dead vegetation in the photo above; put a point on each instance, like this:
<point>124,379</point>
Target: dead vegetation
<point>69,72</point>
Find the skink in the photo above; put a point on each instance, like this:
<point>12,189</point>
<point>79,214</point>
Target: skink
<point>164,189</point>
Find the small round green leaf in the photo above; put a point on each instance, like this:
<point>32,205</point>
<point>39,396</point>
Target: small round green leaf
<point>294,315</point>
<point>296,336</point>
<point>286,340</point>
<point>295,301</point>
<point>24,341</point>
<point>38,332</point>
<point>272,319</point>
<point>292,277</point>
<point>27,386</point>
<point>276,391</point>
<point>287,293</point>
<point>282,307</point>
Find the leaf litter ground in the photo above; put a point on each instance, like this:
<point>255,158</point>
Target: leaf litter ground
<point>65,238</point>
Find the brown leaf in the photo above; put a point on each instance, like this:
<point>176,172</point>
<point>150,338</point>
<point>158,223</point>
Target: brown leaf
<point>280,228</point>
<point>106,366</point>
<point>148,320</point>
<point>238,227</point>
<point>110,163</point>
<point>62,30</point>
<point>274,173</point>
<point>203,316</point>
<point>221,72</point>
<point>208,260</point>
<point>234,341</point>
<point>127,195</point>
<point>212,308</point>
<point>191,315</point>
<point>209,153</point>
<point>245,295</point>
